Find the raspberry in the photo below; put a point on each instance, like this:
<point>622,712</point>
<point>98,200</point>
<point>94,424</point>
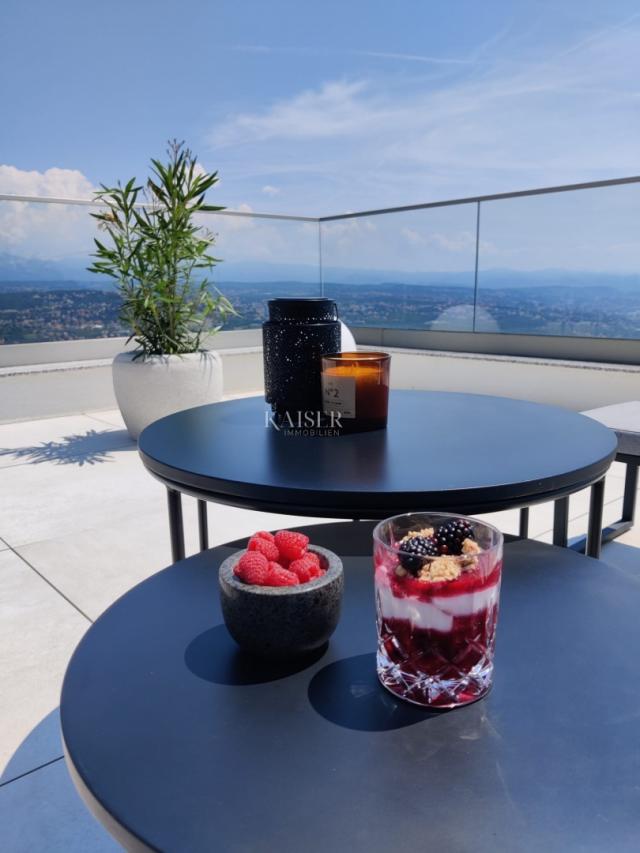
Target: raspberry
<point>257,575</point>
<point>264,534</point>
<point>316,572</point>
<point>264,546</point>
<point>250,564</point>
<point>302,572</point>
<point>313,556</point>
<point>304,568</point>
<point>291,545</point>
<point>278,576</point>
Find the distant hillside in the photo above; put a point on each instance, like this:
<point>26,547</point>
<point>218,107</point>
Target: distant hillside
<point>57,284</point>
<point>18,274</point>
<point>14,268</point>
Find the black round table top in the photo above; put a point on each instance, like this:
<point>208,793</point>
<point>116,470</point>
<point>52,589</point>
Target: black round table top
<point>464,453</point>
<point>179,742</point>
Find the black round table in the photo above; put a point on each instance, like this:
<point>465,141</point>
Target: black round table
<point>178,742</point>
<point>463,453</point>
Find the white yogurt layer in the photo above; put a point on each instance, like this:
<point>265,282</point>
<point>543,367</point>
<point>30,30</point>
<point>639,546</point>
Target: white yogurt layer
<point>437,614</point>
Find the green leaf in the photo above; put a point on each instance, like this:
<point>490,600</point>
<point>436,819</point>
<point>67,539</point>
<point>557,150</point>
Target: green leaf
<point>157,254</point>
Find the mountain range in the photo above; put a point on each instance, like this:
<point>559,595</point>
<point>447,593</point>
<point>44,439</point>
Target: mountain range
<point>19,273</point>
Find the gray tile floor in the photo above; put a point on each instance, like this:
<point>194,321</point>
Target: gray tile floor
<point>81,522</point>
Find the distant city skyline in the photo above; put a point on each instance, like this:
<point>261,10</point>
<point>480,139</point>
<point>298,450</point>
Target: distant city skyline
<point>36,312</point>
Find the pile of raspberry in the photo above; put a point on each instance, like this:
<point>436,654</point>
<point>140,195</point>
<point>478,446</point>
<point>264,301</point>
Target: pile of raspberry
<point>280,560</point>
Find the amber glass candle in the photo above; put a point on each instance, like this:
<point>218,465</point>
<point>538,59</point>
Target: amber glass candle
<point>355,385</point>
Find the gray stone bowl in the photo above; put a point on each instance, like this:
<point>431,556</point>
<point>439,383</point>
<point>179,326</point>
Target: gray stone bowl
<point>282,621</point>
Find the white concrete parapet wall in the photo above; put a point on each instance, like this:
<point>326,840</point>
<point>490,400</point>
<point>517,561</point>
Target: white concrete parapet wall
<point>46,390</point>
<point>34,391</point>
<point>576,385</point>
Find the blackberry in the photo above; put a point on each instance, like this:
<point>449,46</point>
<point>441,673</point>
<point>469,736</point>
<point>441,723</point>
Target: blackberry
<point>450,536</point>
<point>413,550</point>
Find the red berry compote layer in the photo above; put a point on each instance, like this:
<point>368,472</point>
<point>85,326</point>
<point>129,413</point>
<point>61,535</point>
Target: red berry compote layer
<point>437,624</point>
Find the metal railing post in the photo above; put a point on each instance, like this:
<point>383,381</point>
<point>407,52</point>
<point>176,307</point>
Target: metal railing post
<point>475,275</point>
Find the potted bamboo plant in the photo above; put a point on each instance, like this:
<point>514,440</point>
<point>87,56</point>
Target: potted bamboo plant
<point>159,256</point>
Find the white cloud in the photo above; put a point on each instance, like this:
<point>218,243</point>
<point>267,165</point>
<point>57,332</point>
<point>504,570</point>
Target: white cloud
<point>66,183</point>
<point>306,50</point>
<point>334,110</point>
<point>413,57</point>
<point>460,241</point>
<point>228,223</point>
<point>500,125</point>
<point>199,170</point>
<point>270,190</point>
<point>419,241</point>
<point>42,230</point>
<point>242,239</point>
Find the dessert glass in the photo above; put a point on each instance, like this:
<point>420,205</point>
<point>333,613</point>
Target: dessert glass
<point>436,615</point>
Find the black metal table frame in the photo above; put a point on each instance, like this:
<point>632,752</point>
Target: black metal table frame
<point>591,545</point>
<point>234,483</point>
<point>596,534</point>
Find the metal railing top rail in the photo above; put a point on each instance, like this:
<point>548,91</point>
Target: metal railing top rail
<point>86,202</point>
<point>588,185</point>
<point>475,199</point>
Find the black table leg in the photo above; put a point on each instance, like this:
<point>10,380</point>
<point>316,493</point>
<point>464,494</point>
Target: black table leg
<point>561,522</point>
<point>203,525</point>
<point>524,523</point>
<point>176,527</point>
<point>630,492</point>
<point>626,521</point>
<point>594,531</point>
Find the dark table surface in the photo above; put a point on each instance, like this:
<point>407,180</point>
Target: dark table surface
<point>443,451</point>
<point>180,743</point>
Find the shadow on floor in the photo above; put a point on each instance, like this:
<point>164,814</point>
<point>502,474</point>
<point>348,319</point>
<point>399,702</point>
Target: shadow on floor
<point>42,745</point>
<point>88,448</point>
<point>40,809</point>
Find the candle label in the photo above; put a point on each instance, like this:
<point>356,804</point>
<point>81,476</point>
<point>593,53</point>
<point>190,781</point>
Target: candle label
<point>339,395</point>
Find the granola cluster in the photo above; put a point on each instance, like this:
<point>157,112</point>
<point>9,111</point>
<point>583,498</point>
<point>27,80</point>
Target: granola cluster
<point>441,569</point>
<point>470,549</point>
<point>436,555</point>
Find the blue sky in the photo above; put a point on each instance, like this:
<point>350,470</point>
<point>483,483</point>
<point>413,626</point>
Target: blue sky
<point>318,108</point>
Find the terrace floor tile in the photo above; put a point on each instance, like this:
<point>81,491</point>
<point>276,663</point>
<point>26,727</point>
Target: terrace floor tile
<point>56,440</point>
<point>38,632</point>
<point>49,498</point>
<point>97,565</point>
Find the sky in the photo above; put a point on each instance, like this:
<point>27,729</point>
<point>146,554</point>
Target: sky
<point>319,108</point>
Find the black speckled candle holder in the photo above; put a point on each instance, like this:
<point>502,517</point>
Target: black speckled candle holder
<point>282,621</point>
<point>295,337</point>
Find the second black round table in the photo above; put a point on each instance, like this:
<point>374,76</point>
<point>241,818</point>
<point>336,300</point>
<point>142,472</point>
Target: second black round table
<point>462,453</point>
<point>179,742</point>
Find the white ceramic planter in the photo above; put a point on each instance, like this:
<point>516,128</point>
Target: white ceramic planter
<point>150,388</point>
